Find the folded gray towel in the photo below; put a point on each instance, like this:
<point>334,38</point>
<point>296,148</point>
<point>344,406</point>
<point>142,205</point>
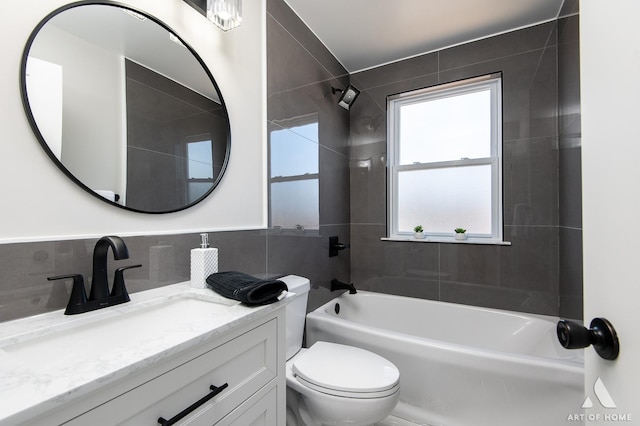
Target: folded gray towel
<point>246,288</point>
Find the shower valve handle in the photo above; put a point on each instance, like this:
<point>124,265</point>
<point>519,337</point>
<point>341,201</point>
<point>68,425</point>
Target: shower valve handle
<point>601,335</point>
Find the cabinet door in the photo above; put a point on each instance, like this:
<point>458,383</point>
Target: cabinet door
<point>246,363</point>
<point>260,410</point>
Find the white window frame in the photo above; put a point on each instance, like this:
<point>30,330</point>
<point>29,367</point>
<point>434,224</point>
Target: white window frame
<point>493,82</point>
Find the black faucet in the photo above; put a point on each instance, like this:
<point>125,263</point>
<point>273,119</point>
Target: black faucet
<point>337,285</point>
<point>99,297</point>
<point>99,282</point>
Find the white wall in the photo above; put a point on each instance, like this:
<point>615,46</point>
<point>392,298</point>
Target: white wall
<point>39,203</point>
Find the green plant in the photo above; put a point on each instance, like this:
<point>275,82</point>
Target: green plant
<point>418,228</point>
<point>460,230</point>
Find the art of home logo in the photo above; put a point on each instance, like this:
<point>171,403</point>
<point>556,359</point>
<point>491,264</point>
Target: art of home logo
<point>605,400</point>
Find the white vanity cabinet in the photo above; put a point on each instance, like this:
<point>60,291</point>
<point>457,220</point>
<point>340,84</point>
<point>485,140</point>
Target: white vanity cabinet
<point>248,360</point>
<point>244,364</point>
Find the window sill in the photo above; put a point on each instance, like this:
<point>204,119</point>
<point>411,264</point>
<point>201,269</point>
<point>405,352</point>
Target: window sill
<point>470,240</point>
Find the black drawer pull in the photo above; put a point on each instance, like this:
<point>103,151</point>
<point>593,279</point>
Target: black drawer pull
<point>214,391</point>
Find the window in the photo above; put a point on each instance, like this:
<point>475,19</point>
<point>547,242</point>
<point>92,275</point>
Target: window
<point>444,163</point>
<point>199,167</point>
<point>293,179</point>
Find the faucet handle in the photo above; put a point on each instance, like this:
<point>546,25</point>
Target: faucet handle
<point>78,299</point>
<point>119,290</point>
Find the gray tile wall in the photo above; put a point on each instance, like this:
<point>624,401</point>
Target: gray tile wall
<point>525,276</point>
<point>300,74</point>
<point>542,268</point>
<point>570,144</point>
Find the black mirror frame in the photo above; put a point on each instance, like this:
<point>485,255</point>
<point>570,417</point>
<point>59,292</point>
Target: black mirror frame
<point>43,142</point>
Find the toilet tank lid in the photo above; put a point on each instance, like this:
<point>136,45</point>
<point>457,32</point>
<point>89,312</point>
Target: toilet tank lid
<point>296,284</point>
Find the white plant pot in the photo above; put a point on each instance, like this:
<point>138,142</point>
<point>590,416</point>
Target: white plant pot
<point>460,237</point>
<point>419,235</point>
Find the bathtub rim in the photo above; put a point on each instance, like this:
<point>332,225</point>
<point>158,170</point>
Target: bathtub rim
<point>574,361</point>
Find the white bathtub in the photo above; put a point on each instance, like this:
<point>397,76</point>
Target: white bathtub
<point>460,365</point>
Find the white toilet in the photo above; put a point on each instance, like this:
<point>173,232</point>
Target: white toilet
<point>333,384</point>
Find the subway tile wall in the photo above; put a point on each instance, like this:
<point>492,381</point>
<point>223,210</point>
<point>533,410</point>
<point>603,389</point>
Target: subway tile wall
<point>541,271</point>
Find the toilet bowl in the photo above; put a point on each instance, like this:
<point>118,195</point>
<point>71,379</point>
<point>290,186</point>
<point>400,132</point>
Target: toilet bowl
<point>330,383</point>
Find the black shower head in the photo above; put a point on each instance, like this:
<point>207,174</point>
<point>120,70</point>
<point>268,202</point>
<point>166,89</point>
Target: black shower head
<point>348,96</point>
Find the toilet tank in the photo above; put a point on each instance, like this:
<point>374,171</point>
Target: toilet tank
<point>296,312</point>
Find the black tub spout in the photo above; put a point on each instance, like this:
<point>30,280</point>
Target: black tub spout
<point>337,285</point>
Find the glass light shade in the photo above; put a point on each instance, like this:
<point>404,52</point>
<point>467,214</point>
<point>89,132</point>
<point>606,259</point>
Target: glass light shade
<point>226,14</point>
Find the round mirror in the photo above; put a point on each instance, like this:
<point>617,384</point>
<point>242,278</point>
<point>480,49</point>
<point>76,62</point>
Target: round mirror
<point>124,107</point>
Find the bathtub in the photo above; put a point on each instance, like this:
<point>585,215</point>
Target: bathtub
<point>460,365</point>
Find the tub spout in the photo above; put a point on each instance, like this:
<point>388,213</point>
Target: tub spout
<point>337,285</point>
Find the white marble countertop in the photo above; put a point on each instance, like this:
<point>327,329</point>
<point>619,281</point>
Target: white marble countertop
<point>39,373</point>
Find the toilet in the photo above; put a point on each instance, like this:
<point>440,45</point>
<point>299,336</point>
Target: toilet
<point>330,383</point>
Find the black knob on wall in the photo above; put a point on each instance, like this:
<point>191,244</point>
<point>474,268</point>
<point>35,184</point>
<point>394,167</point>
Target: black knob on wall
<point>335,246</point>
<point>601,335</point>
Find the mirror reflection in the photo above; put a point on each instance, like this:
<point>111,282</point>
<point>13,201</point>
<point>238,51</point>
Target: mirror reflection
<point>125,108</point>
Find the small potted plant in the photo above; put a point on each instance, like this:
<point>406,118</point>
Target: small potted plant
<point>460,234</point>
<point>418,232</point>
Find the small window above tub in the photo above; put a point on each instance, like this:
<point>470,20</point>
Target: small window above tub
<point>445,161</point>
<point>294,192</point>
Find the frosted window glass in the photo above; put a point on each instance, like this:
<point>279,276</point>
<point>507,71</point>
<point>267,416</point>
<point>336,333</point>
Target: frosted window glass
<point>295,203</point>
<point>446,129</point>
<point>444,199</point>
<point>294,151</point>
<point>200,160</point>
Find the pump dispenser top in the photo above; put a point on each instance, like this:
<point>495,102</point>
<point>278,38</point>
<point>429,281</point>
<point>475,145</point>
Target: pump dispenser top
<point>204,262</point>
<point>204,241</point>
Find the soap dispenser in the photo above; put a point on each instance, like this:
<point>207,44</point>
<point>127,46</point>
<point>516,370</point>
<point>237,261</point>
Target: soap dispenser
<point>204,262</point>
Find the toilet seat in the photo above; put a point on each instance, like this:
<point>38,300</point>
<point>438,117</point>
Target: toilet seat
<point>345,371</point>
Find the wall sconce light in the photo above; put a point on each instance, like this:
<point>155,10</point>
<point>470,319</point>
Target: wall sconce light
<point>348,96</point>
<point>226,14</point>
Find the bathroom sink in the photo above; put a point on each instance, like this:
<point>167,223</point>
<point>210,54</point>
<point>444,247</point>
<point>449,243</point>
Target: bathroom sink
<point>102,335</point>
